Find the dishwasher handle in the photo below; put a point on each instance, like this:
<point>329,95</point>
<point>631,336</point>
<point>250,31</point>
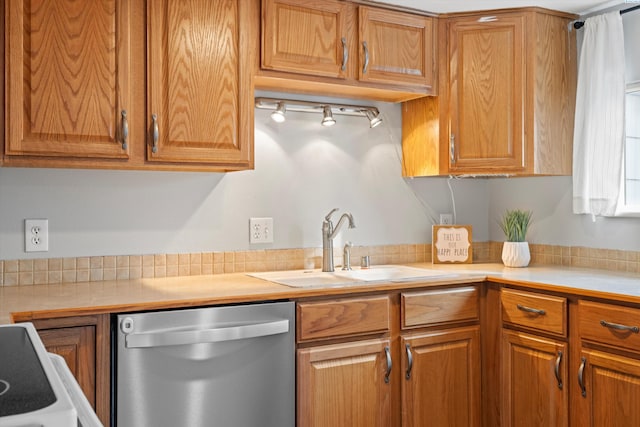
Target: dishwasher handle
<point>200,336</point>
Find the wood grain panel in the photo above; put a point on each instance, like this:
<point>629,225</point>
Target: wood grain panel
<point>400,45</point>
<point>343,385</point>
<point>421,137</point>
<point>67,64</point>
<point>516,305</point>
<point>342,317</point>
<point>612,386</point>
<point>200,85</point>
<point>444,386</point>
<point>487,93</point>
<point>305,36</point>
<point>592,313</point>
<point>554,89</point>
<point>439,306</point>
<point>531,393</point>
<point>84,342</point>
<point>77,346</point>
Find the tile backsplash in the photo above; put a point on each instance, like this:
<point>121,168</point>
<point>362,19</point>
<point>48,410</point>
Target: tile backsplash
<point>125,267</point>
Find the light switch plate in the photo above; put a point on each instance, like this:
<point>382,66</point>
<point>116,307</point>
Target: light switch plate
<point>260,230</point>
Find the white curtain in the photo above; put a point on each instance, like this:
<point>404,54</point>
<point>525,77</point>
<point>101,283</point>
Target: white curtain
<point>598,141</point>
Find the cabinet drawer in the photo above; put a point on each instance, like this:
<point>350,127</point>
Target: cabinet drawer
<point>610,324</point>
<point>341,317</point>
<point>439,306</point>
<point>537,311</point>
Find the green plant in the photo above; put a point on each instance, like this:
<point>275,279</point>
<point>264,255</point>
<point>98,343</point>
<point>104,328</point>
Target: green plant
<point>514,224</point>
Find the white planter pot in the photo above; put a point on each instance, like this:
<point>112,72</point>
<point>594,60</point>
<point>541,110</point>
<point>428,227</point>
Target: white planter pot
<point>516,254</point>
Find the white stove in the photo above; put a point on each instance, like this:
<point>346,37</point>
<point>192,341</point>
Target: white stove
<point>36,387</point>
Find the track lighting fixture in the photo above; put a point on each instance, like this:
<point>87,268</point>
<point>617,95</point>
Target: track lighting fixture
<point>281,106</point>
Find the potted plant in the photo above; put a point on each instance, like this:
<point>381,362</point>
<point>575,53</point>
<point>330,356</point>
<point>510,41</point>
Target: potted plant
<point>515,251</point>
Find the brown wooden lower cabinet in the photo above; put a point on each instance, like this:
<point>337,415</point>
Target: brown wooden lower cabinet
<point>344,385</point>
<point>83,342</point>
<point>609,390</point>
<point>534,381</point>
<point>387,359</point>
<point>441,378</point>
<point>406,358</point>
<point>606,367</point>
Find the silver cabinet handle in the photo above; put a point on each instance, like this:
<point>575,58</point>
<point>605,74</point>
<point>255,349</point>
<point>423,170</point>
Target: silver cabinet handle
<point>407,347</point>
<point>619,327</point>
<point>583,363</point>
<point>125,130</point>
<point>345,54</point>
<point>365,68</point>
<point>531,310</point>
<point>387,352</point>
<point>198,336</point>
<point>156,133</point>
<point>452,148</point>
<point>557,369</point>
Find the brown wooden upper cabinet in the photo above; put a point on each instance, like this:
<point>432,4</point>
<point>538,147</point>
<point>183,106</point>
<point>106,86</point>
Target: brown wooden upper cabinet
<point>339,48</point>
<point>507,94</point>
<point>67,79</point>
<point>76,93</point>
<point>199,96</point>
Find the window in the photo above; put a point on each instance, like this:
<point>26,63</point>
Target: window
<point>630,191</point>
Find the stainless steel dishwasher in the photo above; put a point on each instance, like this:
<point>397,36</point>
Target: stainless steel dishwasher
<point>229,366</point>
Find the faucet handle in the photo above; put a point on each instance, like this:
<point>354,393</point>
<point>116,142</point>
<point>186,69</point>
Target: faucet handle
<point>327,218</point>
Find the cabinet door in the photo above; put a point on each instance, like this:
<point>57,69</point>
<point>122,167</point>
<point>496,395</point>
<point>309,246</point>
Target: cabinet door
<point>200,93</point>
<point>343,385</point>
<point>608,390</point>
<point>534,381</point>
<point>441,378</point>
<point>307,37</point>
<point>84,343</point>
<point>67,78</point>
<point>77,346</point>
<point>396,47</point>
<point>487,69</point>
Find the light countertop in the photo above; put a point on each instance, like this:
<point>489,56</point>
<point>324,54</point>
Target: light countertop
<point>42,301</point>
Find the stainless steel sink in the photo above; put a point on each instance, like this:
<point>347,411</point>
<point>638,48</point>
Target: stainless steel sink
<point>372,275</point>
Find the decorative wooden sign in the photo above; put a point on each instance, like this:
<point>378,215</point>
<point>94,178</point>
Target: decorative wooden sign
<point>451,244</point>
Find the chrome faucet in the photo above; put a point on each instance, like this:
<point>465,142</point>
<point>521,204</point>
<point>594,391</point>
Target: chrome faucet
<point>328,234</point>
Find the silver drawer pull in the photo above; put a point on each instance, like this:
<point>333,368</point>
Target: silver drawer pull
<point>583,388</point>
<point>365,47</point>
<point>620,327</point>
<point>557,369</point>
<point>407,347</point>
<point>531,310</point>
<point>156,133</point>
<point>387,352</point>
<point>125,130</point>
<point>345,54</point>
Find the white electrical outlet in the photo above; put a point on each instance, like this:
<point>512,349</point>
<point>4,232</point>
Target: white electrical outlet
<point>36,235</point>
<point>446,219</point>
<point>260,230</point>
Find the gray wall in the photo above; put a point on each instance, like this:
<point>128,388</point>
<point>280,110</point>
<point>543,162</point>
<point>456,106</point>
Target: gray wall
<point>302,171</point>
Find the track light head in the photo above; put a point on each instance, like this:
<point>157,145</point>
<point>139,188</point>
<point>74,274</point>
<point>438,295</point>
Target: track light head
<point>328,119</point>
<point>374,117</point>
<point>278,114</point>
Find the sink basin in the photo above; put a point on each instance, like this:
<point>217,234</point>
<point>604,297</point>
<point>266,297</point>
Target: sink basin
<point>376,274</point>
